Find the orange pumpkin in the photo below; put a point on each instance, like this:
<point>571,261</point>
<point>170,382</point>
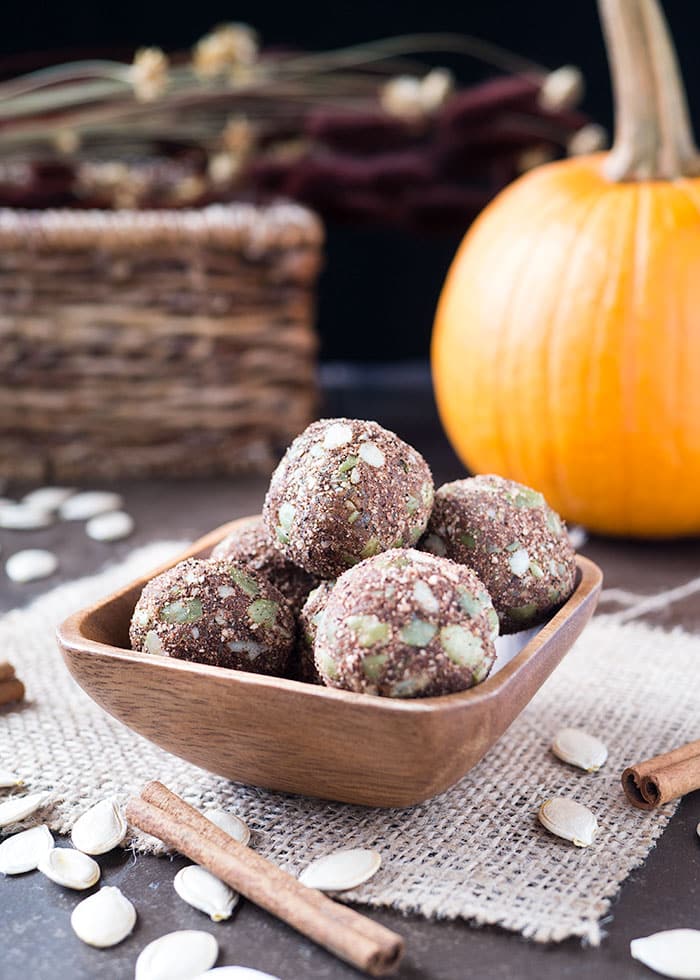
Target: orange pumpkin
<point>566,348</point>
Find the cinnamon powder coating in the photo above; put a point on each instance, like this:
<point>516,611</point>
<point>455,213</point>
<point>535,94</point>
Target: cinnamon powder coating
<point>308,622</point>
<point>214,612</point>
<point>406,624</point>
<point>346,490</point>
<point>250,545</point>
<point>512,539</point>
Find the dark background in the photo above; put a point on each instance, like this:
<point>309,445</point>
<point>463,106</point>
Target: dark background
<point>379,290</point>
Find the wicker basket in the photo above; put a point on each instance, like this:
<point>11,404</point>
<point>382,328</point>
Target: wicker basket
<point>173,343</point>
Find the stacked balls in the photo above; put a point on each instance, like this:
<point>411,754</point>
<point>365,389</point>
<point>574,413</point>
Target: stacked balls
<point>359,577</point>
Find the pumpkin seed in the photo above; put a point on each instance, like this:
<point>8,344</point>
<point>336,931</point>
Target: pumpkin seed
<point>235,973</point>
<point>103,919</point>
<point>70,868</point>
<point>578,748</point>
<point>568,819</point>
<point>230,824</point>
<point>19,807</point>
<point>370,631</point>
<point>8,779</point>
<point>112,526</point>
<point>23,852</point>
<point>205,892</point>
<point>425,597</point>
<point>99,829</point>
<point>341,870</point>
<point>337,435</point>
<point>83,506</point>
<point>47,498</point>
<point>22,517</point>
<point>177,956</point>
<point>30,565</point>
<point>371,454</point>
<point>673,953</point>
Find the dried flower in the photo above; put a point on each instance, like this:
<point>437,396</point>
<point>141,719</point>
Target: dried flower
<point>238,137</point>
<point>149,74</point>
<point>189,189</point>
<point>587,139</point>
<point>228,46</point>
<point>401,97</point>
<point>410,98</point>
<point>534,156</point>
<point>435,88</point>
<point>223,168</point>
<point>66,141</point>
<point>562,89</point>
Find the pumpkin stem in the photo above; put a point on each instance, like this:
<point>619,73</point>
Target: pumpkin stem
<point>653,134</point>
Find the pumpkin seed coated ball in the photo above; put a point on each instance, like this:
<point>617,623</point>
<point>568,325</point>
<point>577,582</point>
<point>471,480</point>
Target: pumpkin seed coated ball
<point>308,622</point>
<point>407,624</point>
<point>346,490</point>
<point>215,612</point>
<point>514,541</point>
<point>249,544</point>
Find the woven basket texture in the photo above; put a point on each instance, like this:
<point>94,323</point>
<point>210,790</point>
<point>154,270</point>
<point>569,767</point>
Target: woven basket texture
<point>161,343</point>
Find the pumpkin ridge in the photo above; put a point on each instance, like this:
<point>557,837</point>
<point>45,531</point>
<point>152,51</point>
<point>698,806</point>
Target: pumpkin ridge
<point>507,362</point>
<point>559,387</point>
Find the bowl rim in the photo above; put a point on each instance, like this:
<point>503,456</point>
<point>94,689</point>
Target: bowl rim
<point>73,639</point>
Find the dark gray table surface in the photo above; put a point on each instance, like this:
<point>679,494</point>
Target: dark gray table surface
<point>36,939</point>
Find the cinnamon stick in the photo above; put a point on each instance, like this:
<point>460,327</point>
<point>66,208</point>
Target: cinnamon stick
<point>345,933</point>
<point>654,782</point>
<point>11,688</point>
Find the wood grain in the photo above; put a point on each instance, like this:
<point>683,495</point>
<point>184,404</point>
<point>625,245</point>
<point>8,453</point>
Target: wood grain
<point>285,735</point>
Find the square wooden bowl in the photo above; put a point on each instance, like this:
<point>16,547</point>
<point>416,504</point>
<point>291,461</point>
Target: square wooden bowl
<point>302,738</point>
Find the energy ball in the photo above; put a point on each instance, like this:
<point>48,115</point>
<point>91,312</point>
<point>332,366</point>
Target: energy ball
<point>514,541</point>
<point>346,490</point>
<point>308,623</point>
<point>250,545</point>
<point>406,624</point>
<point>214,612</point>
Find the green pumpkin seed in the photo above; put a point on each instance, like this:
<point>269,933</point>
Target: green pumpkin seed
<point>182,611</point>
<point>417,633</point>
<point>370,631</point>
<point>264,612</point>
<point>372,665</point>
<point>244,581</point>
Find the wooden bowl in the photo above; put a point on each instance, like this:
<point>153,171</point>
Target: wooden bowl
<point>302,738</point>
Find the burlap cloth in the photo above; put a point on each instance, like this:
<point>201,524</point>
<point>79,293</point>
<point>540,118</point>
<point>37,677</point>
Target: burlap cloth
<point>476,852</point>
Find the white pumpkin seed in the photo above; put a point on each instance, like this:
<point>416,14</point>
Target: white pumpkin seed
<point>103,919</point>
<point>30,565</point>
<point>19,807</point>
<point>205,892</point>
<point>236,973</point>
<point>112,526</point>
<point>22,517</point>
<point>8,779</point>
<point>568,819</point>
<point>83,506</point>
<point>47,498</point>
<point>99,829</point>
<point>230,824</point>
<point>23,852</point>
<point>70,868</point>
<point>673,953</point>
<point>578,748</point>
<point>577,536</point>
<point>341,870</point>
<point>177,956</point>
